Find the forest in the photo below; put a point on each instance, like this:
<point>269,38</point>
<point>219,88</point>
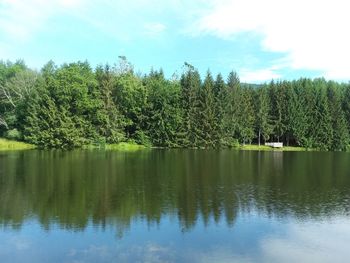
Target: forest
<point>73,105</point>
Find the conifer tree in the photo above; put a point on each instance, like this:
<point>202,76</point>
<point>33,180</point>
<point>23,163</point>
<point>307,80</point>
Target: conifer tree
<point>322,134</point>
<point>163,110</point>
<point>232,109</point>
<point>190,91</point>
<point>262,109</point>
<point>220,94</point>
<point>108,119</point>
<point>246,118</point>
<point>346,105</point>
<point>208,114</point>
<point>278,111</point>
<point>340,130</point>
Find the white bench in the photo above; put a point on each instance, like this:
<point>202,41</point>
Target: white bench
<point>274,144</point>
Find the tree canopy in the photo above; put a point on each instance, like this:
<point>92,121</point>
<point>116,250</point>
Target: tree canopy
<point>73,104</point>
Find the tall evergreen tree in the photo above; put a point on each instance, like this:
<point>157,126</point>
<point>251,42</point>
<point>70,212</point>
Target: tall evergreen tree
<point>246,118</point>
<point>322,131</point>
<point>263,124</point>
<point>304,103</point>
<point>163,110</point>
<point>190,91</point>
<point>232,108</point>
<point>109,121</point>
<point>220,94</point>
<point>346,105</point>
<point>209,126</point>
<point>340,130</point>
<point>278,111</point>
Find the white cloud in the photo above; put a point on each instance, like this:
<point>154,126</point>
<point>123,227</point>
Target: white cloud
<point>149,252</point>
<point>154,29</point>
<point>310,242</point>
<point>22,19</point>
<point>313,33</point>
<point>251,76</point>
<point>70,3</point>
<point>19,19</point>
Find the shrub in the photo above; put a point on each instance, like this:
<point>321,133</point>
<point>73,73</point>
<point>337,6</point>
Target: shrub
<point>13,134</point>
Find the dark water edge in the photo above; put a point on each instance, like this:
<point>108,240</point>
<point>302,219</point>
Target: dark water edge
<point>174,206</point>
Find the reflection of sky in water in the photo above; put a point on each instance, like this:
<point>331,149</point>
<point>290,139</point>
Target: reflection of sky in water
<point>253,238</point>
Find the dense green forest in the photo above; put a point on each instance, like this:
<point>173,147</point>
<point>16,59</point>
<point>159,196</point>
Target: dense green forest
<point>73,105</point>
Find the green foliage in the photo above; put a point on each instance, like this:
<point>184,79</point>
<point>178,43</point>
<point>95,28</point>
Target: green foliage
<point>14,145</point>
<point>73,105</point>
<point>263,124</point>
<point>231,108</point>
<point>163,114</point>
<point>13,134</point>
<point>142,138</point>
<point>130,97</point>
<point>208,122</point>
<point>122,146</point>
<point>109,121</point>
<point>245,116</point>
<point>190,102</point>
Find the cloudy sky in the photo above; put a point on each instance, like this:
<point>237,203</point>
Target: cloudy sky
<point>260,39</point>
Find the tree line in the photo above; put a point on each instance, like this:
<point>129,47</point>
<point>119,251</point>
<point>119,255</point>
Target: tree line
<point>73,105</point>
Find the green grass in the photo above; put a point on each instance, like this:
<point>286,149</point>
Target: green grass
<point>122,146</point>
<point>14,145</point>
<point>253,147</point>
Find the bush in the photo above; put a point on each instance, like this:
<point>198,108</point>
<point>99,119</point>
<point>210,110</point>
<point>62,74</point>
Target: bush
<point>230,142</point>
<point>142,138</point>
<point>347,148</point>
<point>13,134</point>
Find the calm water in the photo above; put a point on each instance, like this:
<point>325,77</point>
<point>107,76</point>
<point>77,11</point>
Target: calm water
<point>174,206</point>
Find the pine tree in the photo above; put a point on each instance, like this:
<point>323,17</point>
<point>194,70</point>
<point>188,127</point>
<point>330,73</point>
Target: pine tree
<point>163,110</point>
<point>190,91</point>
<point>322,134</point>
<point>340,130</point>
<point>262,109</point>
<point>108,119</point>
<point>232,108</point>
<point>300,112</point>
<point>246,118</point>
<point>278,111</point>
<point>208,123</point>
<point>346,105</point>
<point>220,94</point>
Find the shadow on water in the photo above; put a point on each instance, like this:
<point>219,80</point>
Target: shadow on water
<point>72,189</point>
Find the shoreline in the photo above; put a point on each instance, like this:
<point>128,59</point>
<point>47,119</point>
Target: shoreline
<point>254,147</point>
<point>10,145</point>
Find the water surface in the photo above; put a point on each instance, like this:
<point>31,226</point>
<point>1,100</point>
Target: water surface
<point>174,206</point>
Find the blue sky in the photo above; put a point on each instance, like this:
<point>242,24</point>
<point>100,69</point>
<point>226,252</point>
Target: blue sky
<point>261,40</point>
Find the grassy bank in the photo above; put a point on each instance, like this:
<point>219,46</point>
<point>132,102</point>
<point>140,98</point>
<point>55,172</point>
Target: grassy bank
<point>253,147</point>
<point>123,146</point>
<point>14,145</point>
<point>131,147</point>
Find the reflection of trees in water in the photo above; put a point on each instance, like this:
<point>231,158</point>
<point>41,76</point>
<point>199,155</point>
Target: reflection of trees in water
<point>73,189</point>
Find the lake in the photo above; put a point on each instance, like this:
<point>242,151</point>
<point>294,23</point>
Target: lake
<point>174,206</point>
